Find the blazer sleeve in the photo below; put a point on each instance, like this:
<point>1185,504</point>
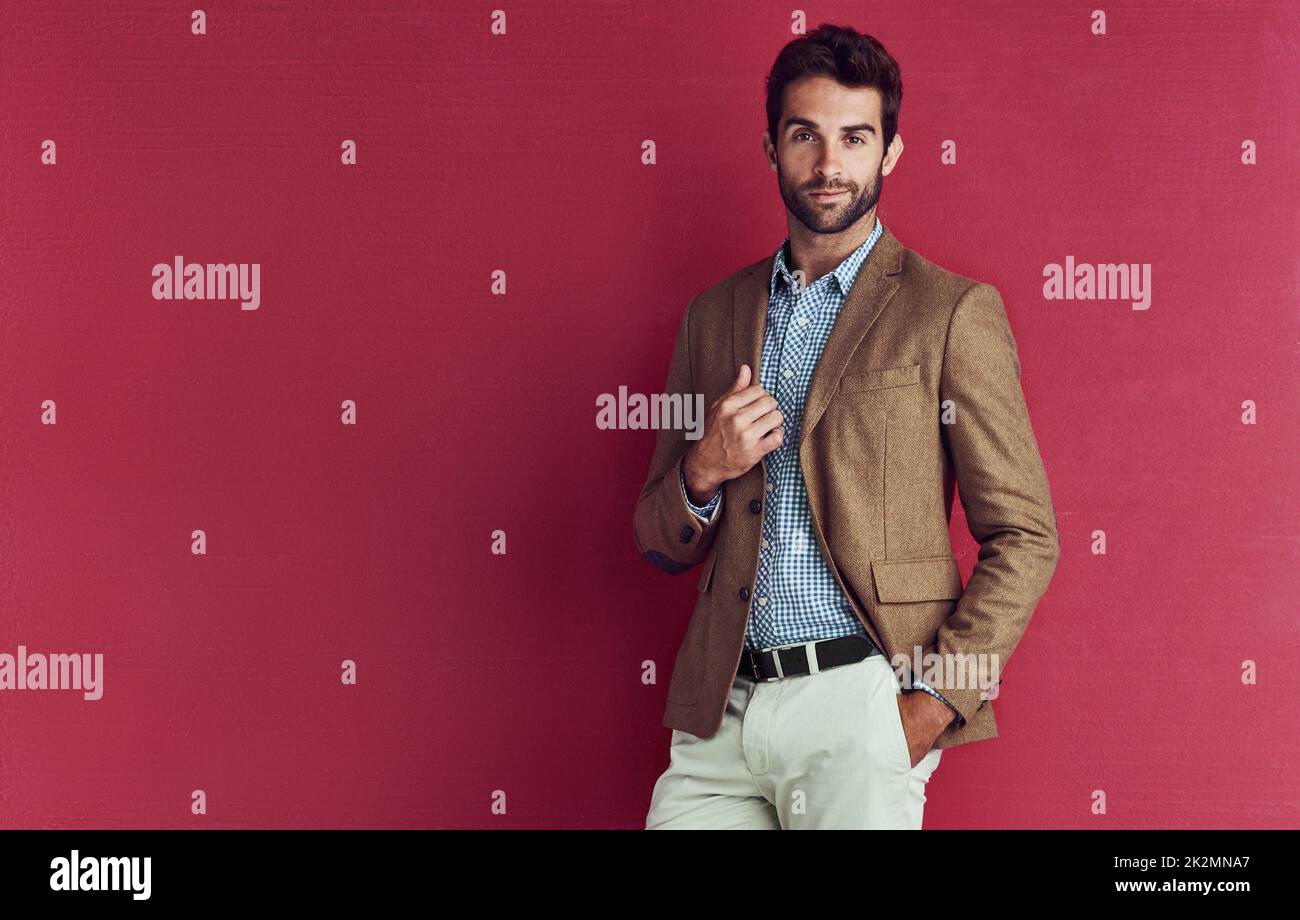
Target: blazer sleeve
<point>666,531</point>
<point>1003,489</point>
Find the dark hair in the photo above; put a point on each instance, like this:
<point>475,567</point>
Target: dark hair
<point>847,56</point>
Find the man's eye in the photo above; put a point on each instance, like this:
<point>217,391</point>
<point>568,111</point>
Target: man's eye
<point>854,137</point>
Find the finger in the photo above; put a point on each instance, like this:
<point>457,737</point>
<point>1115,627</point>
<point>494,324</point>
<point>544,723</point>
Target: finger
<point>742,379</point>
<point>766,422</point>
<point>760,407</point>
<point>734,402</point>
<point>772,440</point>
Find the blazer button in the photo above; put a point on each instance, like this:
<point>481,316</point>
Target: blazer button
<point>755,505</point>
<point>744,594</point>
<point>687,534</point>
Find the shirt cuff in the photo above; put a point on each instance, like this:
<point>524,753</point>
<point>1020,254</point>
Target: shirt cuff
<point>706,513</point>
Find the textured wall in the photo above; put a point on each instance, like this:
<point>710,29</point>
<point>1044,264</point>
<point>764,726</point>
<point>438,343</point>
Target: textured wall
<point>521,153</point>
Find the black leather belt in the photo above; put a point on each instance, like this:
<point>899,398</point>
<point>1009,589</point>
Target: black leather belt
<point>804,658</point>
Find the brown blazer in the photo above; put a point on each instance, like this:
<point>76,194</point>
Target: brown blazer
<point>880,464</point>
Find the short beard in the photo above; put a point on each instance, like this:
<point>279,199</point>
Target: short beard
<point>818,220</point>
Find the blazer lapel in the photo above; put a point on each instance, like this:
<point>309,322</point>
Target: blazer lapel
<point>871,290</point>
<point>749,316</point>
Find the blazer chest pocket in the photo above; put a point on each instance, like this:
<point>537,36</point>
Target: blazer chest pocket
<point>881,378</point>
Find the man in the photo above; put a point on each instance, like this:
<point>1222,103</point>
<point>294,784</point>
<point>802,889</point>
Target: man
<point>851,384</point>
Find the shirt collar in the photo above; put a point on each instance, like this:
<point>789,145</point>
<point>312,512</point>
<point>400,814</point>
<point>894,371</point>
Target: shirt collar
<point>845,273</point>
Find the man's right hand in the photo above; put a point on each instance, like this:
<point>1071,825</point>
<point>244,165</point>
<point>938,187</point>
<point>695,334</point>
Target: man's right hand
<point>743,426</point>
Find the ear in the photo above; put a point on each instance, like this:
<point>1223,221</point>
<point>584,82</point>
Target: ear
<point>769,150</point>
<point>892,154</point>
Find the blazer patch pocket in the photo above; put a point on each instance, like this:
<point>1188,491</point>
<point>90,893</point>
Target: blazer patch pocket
<point>880,378</point>
<point>906,580</point>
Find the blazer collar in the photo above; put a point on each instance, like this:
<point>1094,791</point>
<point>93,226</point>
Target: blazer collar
<point>873,288</point>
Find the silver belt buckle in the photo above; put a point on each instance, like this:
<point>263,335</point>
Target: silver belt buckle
<point>813,667</point>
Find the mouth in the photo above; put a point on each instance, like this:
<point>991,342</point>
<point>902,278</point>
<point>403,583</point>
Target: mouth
<point>831,195</point>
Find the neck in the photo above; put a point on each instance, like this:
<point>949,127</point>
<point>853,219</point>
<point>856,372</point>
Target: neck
<point>818,254</point>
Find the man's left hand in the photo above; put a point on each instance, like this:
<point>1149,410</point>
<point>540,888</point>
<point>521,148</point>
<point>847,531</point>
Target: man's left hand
<point>924,719</point>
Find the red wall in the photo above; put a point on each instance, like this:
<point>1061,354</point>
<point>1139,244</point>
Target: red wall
<point>521,672</point>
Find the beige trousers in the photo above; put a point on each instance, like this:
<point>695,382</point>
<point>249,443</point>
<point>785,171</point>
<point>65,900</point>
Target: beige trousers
<point>822,750</point>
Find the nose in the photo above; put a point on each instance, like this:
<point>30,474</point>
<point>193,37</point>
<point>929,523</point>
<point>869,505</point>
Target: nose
<point>828,166</point>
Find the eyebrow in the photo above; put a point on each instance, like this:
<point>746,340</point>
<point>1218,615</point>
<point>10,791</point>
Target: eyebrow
<point>795,120</point>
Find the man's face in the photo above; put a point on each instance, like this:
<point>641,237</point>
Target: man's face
<point>830,139</point>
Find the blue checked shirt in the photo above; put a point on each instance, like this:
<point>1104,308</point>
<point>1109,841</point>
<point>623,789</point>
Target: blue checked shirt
<point>795,596</point>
